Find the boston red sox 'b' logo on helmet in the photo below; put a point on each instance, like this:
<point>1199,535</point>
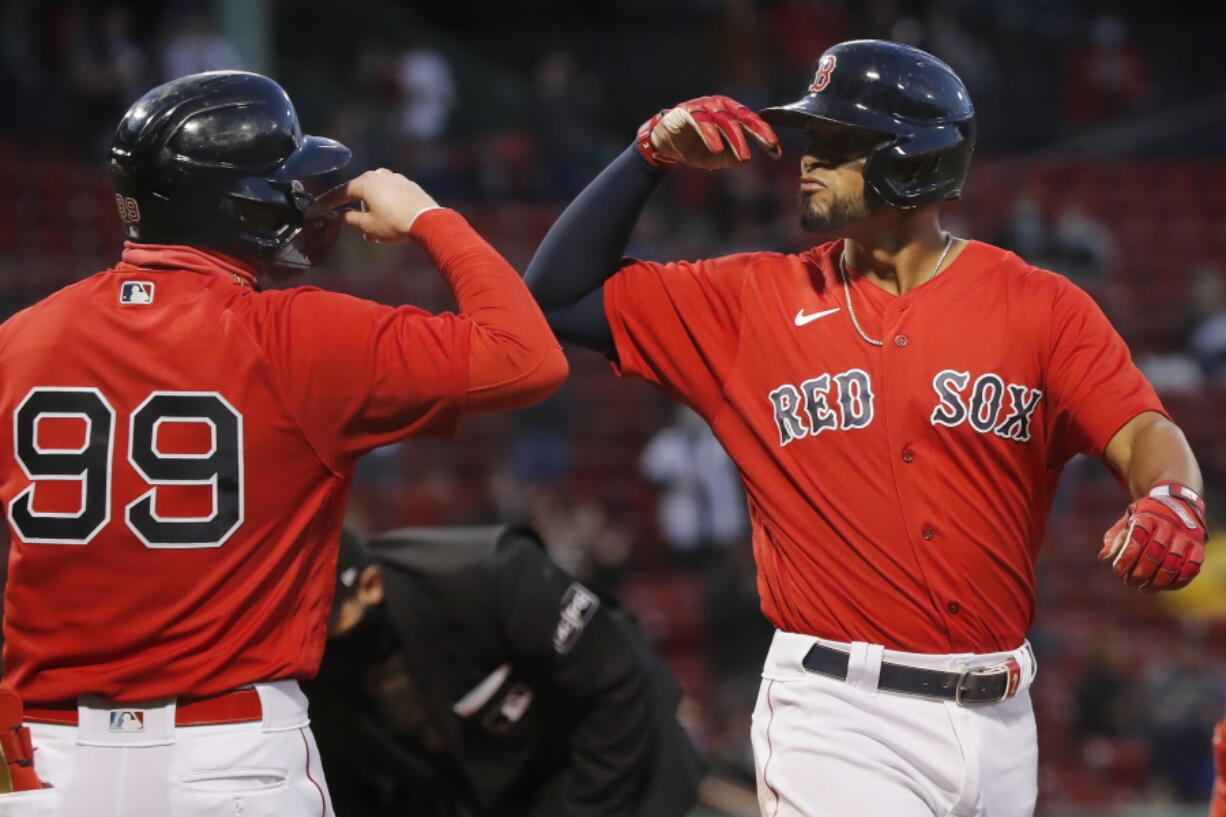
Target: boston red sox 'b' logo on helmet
<point>824,68</point>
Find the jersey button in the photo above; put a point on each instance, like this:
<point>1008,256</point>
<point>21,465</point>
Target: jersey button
<point>907,455</point>
<point>954,608</point>
<point>900,340</point>
<point>928,533</point>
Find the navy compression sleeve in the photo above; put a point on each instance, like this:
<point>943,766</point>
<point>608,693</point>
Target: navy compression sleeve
<point>585,247</point>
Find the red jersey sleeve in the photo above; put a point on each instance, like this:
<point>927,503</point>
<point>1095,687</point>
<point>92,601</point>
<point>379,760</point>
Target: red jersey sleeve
<point>678,325</point>
<point>1093,387</point>
<point>358,374</point>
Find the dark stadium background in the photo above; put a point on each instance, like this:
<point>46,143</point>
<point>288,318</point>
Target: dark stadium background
<point>1102,155</point>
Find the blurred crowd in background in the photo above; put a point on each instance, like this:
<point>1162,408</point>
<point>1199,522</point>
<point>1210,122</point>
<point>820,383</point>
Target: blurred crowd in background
<point>1101,157</point>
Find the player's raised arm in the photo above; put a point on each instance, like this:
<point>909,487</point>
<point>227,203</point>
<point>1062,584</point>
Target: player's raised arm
<point>514,359</point>
<point>585,247</point>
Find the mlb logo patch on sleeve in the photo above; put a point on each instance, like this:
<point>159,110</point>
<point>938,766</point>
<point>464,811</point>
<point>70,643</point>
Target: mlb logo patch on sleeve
<point>136,292</point>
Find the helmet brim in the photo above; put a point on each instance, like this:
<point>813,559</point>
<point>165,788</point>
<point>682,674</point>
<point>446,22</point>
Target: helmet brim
<point>815,108</point>
<point>795,115</point>
<point>318,156</point>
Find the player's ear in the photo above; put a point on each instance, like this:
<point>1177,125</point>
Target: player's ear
<point>370,586</point>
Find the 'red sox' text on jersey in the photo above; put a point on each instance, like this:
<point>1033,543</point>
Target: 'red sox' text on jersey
<point>898,493</point>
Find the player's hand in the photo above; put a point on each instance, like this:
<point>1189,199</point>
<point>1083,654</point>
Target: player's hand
<point>1159,543</point>
<point>708,132</point>
<point>388,203</point>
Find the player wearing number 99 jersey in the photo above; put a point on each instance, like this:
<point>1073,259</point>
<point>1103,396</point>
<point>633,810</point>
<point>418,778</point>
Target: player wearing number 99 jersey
<point>178,444</point>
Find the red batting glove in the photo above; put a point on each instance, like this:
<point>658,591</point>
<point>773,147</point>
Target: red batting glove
<point>1159,544</point>
<point>708,132</point>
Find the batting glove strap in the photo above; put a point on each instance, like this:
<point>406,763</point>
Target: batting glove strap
<point>648,148</point>
<point>1184,502</point>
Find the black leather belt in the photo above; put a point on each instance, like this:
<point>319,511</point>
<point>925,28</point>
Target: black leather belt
<point>969,688</point>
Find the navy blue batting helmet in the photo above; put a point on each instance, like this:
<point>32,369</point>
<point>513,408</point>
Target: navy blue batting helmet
<point>219,160</point>
<point>915,102</point>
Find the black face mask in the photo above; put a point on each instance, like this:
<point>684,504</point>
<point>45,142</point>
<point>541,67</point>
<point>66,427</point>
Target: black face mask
<point>370,641</point>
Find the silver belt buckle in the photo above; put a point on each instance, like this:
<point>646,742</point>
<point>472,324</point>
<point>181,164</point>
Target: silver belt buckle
<point>1014,683</point>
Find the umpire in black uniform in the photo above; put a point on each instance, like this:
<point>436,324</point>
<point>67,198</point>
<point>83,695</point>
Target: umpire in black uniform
<point>467,675</point>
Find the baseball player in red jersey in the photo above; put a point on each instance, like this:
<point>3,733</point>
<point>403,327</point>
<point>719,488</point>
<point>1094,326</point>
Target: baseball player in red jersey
<point>900,403</point>
<point>181,444</point>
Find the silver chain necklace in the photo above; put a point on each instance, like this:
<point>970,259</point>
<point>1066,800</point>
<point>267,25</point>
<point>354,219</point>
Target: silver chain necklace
<point>851,310</point>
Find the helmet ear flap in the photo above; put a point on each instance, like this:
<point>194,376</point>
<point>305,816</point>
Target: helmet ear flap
<point>920,168</point>
<point>260,208</point>
<point>908,171</point>
<point>257,219</point>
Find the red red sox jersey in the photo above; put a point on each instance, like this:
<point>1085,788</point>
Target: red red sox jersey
<point>176,456</point>
<point>898,494</point>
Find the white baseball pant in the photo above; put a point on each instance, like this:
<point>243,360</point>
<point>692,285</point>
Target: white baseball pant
<point>267,768</point>
<point>825,747</point>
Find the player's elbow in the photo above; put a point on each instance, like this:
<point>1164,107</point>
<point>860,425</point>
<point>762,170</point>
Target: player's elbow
<point>546,377</point>
<point>555,370</point>
<point>522,380</point>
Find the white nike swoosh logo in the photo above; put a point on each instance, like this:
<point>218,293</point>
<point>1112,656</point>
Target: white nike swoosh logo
<point>802,318</point>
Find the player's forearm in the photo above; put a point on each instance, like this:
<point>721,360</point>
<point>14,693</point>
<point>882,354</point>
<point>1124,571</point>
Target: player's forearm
<point>586,244</point>
<point>1150,449</point>
<point>514,358</point>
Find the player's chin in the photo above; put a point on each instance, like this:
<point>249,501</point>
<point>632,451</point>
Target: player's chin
<point>815,218</point>
<point>808,204</point>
